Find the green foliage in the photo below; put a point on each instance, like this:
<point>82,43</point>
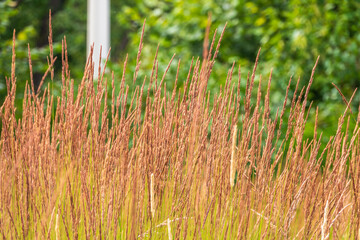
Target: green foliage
<point>30,20</point>
<point>6,12</point>
<point>291,34</point>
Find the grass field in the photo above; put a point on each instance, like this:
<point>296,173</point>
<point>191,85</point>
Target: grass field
<point>183,164</point>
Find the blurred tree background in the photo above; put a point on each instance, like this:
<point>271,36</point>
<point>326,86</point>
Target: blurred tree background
<point>291,34</point>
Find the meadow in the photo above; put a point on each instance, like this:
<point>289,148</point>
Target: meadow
<point>95,163</point>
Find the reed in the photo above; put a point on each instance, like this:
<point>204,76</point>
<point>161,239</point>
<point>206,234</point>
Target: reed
<point>152,195</point>
<point>91,157</point>
<point>232,160</point>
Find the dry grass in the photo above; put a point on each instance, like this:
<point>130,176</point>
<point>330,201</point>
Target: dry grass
<point>73,168</point>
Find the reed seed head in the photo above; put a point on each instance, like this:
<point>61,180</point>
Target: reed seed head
<point>152,195</point>
<point>232,160</point>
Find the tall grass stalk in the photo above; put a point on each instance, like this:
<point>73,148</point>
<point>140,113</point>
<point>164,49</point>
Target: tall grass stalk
<point>232,160</point>
<point>91,157</point>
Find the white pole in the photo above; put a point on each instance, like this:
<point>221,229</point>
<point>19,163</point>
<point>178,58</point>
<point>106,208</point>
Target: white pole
<point>98,30</point>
